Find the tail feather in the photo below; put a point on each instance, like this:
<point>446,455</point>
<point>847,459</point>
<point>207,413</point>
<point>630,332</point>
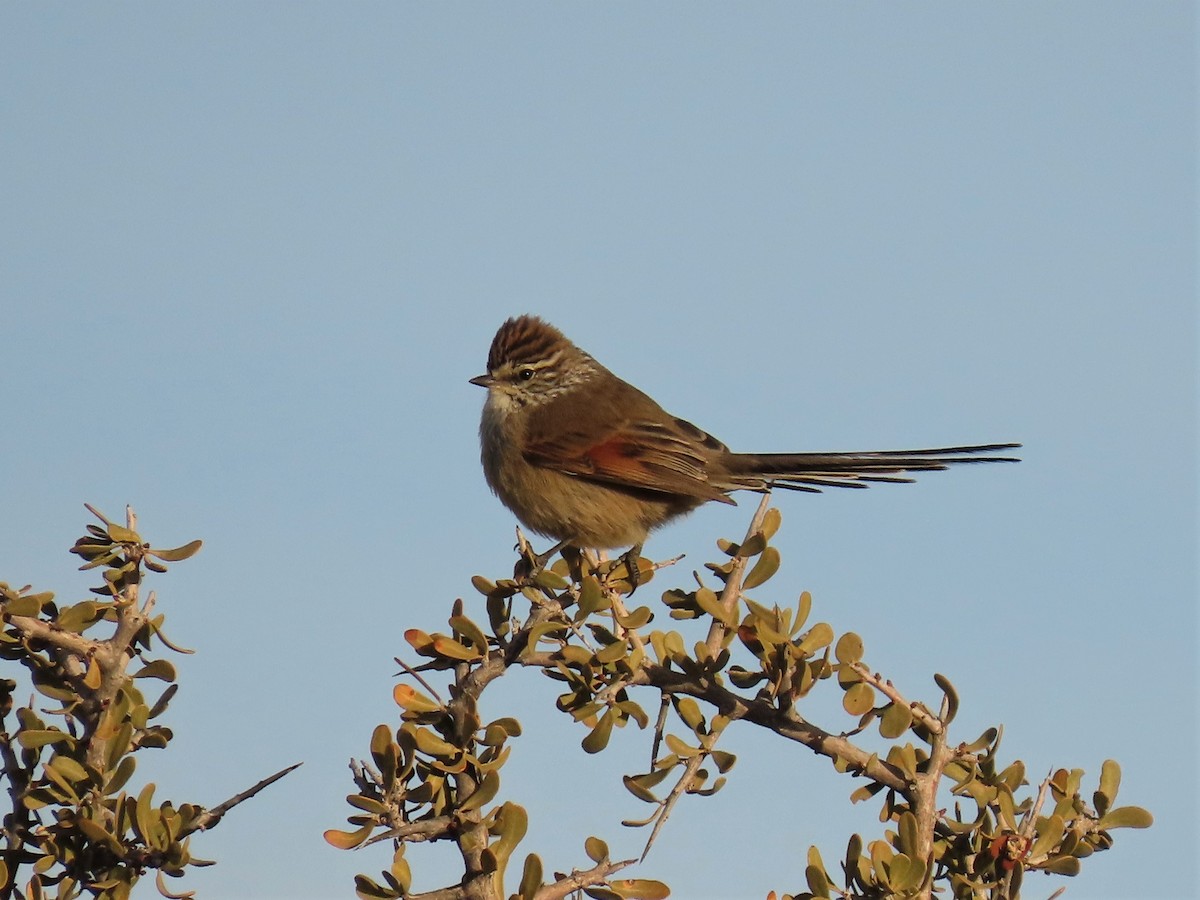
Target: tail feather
<point>813,471</point>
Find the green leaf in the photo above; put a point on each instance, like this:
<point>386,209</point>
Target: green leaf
<point>25,605</point>
<point>803,608</point>
<point>469,630</point>
<point>982,741</point>
<point>640,785</point>
<point>549,580</point>
<point>121,775</point>
<point>95,833</point>
<point>722,760</point>
<point>820,635</point>
<point>80,616</point>
<point>752,547</point>
<point>849,648</point>
<point>640,889</point>
<point>432,745</point>
<point>865,792</point>
<point>597,738</point>
<point>596,849</point>
<point>895,721</point>
<point>679,747</point>
<point>68,768</point>
<point>689,711</point>
<point>859,699</point>
<point>508,725</point>
<point>771,522</point>
<point>1062,865</point>
<point>177,554</point>
<point>744,678</point>
<point>854,849</point>
<point>385,754</point>
<point>511,824</point>
<point>905,873</point>
<point>159,668</point>
<point>123,535</point>
<point>401,872</point>
<point>951,696</point>
<point>447,647</point>
<point>592,597</point>
<point>1110,781</point>
<point>908,837</point>
<point>161,704</point>
<point>367,804</point>
<point>636,617</point>
<point>33,739</point>
<point>817,882</point>
<point>531,877</point>
<point>767,565</point>
<point>708,601</point>
<point>618,649</point>
<point>412,700</point>
<point>143,812</point>
<point>1127,817</point>
<point>1050,834</point>
<point>486,791</point>
<point>364,887</point>
<point>420,641</point>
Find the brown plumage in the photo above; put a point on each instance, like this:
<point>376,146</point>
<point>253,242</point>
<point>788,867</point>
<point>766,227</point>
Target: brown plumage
<point>583,457</point>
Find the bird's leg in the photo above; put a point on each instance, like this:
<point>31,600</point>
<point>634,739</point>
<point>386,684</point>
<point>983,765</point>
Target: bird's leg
<point>542,558</point>
<point>634,575</point>
<point>531,562</point>
<point>629,559</point>
<point>574,559</point>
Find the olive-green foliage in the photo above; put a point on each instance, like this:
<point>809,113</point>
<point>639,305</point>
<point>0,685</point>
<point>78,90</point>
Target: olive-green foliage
<point>434,777</point>
<point>76,827</point>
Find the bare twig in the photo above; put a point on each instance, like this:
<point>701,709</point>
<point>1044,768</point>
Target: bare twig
<point>415,832</point>
<point>733,585</point>
<point>577,881</point>
<point>784,722</point>
<point>684,783</point>
<point>659,725</point>
<point>211,817</point>
<point>417,675</point>
<point>1029,821</point>
<point>919,711</point>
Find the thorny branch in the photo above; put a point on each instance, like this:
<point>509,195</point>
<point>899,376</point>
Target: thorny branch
<point>602,668</point>
<point>97,838</point>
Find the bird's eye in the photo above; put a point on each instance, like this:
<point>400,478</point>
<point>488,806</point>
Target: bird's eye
<point>525,374</point>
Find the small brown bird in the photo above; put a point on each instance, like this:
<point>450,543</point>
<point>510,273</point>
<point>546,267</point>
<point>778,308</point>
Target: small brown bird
<point>587,459</point>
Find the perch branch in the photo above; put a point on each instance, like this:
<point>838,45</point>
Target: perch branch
<point>211,817</point>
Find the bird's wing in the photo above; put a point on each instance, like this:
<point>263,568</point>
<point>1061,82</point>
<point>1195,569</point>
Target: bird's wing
<point>638,455</point>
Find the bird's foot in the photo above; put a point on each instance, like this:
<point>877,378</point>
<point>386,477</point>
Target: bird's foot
<point>626,570</point>
<point>530,563</point>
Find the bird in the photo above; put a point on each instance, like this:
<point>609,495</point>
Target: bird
<point>587,459</point>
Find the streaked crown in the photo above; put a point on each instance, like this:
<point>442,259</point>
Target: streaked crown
<point>526,340</point>
<point>531,361</point>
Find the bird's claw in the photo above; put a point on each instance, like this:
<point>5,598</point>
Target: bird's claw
<point>633,571</point>
<point>530,563</point>
<point>625,568</point>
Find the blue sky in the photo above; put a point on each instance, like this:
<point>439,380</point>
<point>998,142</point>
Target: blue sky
<point>253,252</point>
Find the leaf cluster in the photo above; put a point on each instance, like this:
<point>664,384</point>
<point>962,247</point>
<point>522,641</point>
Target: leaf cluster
<point>74,825</point>
<point>434,777</point>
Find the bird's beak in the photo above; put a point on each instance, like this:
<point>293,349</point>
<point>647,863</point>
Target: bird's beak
<point>483,380</point>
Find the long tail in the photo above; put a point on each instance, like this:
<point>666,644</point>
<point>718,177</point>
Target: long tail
<point>814,471</point>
